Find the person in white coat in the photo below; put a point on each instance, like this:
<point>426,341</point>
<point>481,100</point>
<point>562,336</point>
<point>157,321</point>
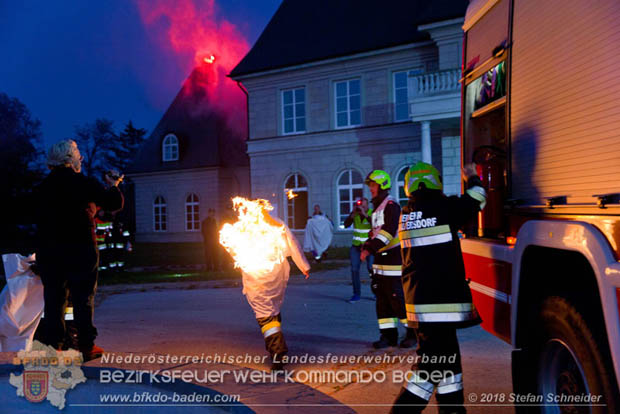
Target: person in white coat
<point>264,291</point>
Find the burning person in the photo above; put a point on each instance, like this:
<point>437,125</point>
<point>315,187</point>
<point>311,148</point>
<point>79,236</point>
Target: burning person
<point>260,245</point>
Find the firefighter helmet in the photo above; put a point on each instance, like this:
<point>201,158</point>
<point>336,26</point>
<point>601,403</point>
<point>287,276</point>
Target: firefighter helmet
<point>422,173</point>
<point>380,177</point>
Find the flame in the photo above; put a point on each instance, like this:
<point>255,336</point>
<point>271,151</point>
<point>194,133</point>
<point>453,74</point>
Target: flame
<point>256,242</point>
<point>290,194</point>
<point>196,32</point>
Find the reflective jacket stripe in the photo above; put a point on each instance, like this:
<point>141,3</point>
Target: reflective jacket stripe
<point>125,233</point>
<point>416,385</point>
<point>478,193</point>
<point>441,312</point>
<point>439,307</point>
<point>391,245</point>
<point>102,247</point>
<point>428,240</point>
<point>428,231</point>
<point>441,316</point>
<point>271,328</point>
<point>388,270</point>
<point>387,323</point>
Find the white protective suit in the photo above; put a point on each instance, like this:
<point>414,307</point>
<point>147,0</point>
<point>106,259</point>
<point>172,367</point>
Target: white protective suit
<point>319,233</point>
<point>21,303</point>
<point>265,291</point>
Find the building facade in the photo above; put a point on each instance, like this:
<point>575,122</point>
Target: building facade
<point>193,160</point>
<point>322,119</point>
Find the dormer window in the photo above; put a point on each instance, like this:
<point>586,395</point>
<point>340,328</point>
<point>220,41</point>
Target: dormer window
<point>170,148</point>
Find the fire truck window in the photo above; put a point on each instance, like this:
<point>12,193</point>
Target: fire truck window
<point>485,115</point>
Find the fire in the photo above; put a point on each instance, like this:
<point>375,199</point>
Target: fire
<point>256,242</point>
<point>195,31</point>
<point>291,195</point>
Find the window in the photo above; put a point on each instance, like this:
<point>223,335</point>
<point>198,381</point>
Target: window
<point>401,197</point>
<point>401,100</point>
<point>192,213</point>
<point>296,207</point>
<point>348,103</point>
<point>160,214</point>
<point>170,148</point>
<point>350,187</point>
<point>401,94</point>
<point>294,111</point>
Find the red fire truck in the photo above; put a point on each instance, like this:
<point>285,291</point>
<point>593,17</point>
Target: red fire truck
<point>541,118</point>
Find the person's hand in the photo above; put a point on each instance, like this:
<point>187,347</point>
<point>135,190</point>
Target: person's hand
<point>113,178</point>
<point>469,170</point>
<point>306,273</point>
<point>364,255</point>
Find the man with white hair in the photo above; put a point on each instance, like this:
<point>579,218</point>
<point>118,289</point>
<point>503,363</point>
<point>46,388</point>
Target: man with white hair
<point>67,256</point>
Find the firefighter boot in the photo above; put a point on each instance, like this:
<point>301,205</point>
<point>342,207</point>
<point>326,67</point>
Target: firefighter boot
<point>389,337</point>
<point>451,403</point>
<point>408,403</point>
<point>90,353</point>
<point>410,339</point>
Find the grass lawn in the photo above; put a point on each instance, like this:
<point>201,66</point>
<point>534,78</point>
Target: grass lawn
<point>162,276</point>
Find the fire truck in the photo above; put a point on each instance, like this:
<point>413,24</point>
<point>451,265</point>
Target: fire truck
<point>541,119</point>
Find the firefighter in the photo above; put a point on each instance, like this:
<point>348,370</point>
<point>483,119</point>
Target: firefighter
<point>437,296</point>
<point>119,239</point>
<point>384,244</point>
<point>103,238</point>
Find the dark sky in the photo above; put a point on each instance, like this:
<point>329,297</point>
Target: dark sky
<point>71,62</point>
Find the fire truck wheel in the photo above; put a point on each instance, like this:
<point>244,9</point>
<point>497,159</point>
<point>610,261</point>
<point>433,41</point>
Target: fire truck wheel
<point>571,363</point>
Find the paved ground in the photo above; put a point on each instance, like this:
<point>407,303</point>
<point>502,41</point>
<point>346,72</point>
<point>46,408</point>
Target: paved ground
<point>213,318</point>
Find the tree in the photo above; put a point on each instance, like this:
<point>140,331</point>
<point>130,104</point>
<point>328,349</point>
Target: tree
<point>96,142</point>
<point>21,165</point>
<point>128,143</point>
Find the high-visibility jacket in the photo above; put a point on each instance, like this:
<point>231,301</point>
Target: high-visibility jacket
<point>361,229</point>
<point>433,271</point>
<point>384,242</point>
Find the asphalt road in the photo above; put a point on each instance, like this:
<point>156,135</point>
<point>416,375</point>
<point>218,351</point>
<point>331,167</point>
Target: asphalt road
<point>204,320</point>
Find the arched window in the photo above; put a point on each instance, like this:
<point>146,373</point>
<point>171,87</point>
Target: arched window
<point>160,214</point>
<point>296,207</point>
<point>170,148</point>
<point>400,186</point>
<point>192,213</point>
<point>350,187</point>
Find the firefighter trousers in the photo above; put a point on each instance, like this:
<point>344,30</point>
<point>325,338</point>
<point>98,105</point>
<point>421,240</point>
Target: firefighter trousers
<point>271,327</point>
<point>390,305</point>
<point>438,356</point>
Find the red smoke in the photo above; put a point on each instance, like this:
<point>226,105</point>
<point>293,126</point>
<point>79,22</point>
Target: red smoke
<point>202,41</point>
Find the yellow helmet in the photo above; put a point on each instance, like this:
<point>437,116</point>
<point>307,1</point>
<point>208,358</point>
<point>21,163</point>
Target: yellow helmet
<point>380,177</point>
<point>422,173</point>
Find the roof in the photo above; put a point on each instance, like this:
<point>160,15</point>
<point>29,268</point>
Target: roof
<point>304,31</point>
<point>205,137</point>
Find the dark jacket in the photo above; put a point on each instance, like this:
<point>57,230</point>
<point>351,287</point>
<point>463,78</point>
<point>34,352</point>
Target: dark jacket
<point>433,271</point>
<point>65,204</point>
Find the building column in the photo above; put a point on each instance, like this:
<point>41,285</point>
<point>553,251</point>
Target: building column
<point>426,142</point>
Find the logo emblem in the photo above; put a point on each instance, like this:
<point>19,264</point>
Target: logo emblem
<point>35,385</point>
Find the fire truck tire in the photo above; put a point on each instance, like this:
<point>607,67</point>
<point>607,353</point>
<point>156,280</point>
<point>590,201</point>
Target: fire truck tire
<point>569,359</point>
